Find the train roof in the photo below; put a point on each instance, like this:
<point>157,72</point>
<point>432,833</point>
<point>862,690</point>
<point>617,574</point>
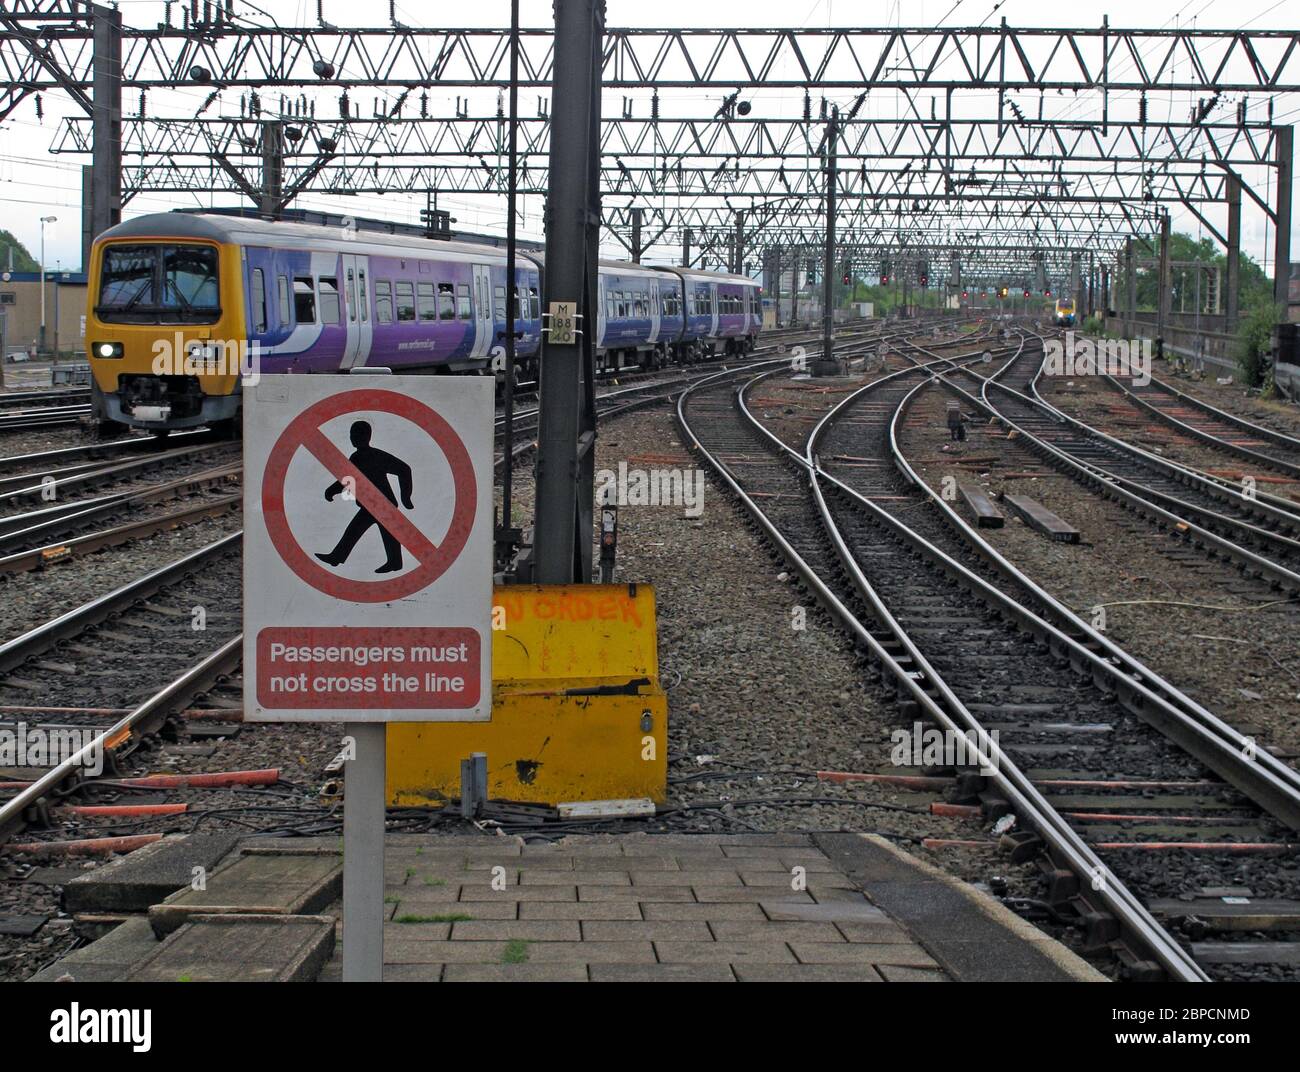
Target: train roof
<point>244,229</point>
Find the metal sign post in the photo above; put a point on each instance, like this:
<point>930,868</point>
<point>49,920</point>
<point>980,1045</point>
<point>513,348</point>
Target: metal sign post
<point>367,582</point>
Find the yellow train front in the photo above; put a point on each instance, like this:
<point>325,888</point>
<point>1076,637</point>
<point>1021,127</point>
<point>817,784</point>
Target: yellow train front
<point>165,326</point>
<point>1064,314</point>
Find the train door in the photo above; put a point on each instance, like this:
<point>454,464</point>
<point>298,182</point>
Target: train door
<point>600,311</point>
<point>656,311</point>
<point>713,310</point>
<point>482,311</point>
<point>356,296</point>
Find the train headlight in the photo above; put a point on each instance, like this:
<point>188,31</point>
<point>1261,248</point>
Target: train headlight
<point>108,349</point>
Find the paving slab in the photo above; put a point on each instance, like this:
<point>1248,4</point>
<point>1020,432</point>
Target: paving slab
<point>284,884</point>
<point>133,882</point>
<point>969,934</point>
<point>107,960</point>
<point>225,948</point>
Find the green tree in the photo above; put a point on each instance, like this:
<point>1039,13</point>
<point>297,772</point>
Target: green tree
<point>1253,286</point>
<point>23,261</point>
<point>1255,341</point>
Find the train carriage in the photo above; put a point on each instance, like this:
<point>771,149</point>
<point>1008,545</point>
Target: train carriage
<point>180,302</point>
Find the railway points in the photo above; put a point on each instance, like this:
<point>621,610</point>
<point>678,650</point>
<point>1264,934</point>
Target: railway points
<point>577,501</point>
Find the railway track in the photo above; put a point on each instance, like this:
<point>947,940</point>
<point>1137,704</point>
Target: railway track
<point>1264,447</point>
<point>965,652</point>
<point>1257,533</point>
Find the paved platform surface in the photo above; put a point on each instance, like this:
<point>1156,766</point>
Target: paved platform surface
<point>606,908</point>
<point>726,908</point>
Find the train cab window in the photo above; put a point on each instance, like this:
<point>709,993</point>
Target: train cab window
<point>463,311</point>
<point>446,301</point>
<point>534,304</point>
<point>304,300</point>
<point>352,294</point>
<point>383,302</point>
<point>258,301</point>
<point>363,295</point>
<point>499,303</point>
<point>328,286</point>
<point>405,300</point>
<point>282,286</point>
<point>428,304</point>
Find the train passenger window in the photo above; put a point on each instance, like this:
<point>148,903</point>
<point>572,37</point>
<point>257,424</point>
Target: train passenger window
<point>463,311</point>
<point>521,303</point>
<point>383,301</point>
<point>405,300</point>
<point>363,294</point>
<point>304,300</point>
<point>638,307</point>
<point>499,303</point>
<point>259,302</point>
<point>446,301</point>
<point>282,285</point>
<point>428,304</point>
<point>329,299</point>
<point>534,304</point>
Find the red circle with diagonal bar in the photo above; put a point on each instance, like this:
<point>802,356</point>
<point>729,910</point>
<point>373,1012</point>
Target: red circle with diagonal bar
<point>304,432</point>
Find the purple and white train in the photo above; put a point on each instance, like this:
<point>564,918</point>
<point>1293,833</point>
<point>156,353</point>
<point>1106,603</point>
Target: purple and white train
<point>328,299</point>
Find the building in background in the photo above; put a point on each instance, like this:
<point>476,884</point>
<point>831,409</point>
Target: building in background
<point>65,312</point>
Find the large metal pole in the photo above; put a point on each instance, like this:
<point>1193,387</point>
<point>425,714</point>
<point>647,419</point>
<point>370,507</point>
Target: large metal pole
<point>1233,253</point>
<point>794,286</point>
<point>686,247</point>
<point>579,27</point>
<point>41,345</point>
<point>636,232</point>
<point>1282,233</point>
<point>272,169</point>
<point>364,804</point>
<point>106,121</point>
<point>1130,288</point>
<point>1164,281</point>
<point>738,258</point>
<point>825,365</point>
<point>582,559</point>
<point>507,544</point>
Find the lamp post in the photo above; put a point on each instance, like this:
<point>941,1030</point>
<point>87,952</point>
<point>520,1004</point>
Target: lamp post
<point>44,221</point>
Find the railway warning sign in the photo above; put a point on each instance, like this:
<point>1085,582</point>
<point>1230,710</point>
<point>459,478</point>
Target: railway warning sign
<point>368,548</point>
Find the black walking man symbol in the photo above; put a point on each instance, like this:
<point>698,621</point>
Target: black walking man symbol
<point>375,500</point>
<point>376,466</point>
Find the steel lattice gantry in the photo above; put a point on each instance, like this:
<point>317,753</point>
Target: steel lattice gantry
<point>1058,150</point>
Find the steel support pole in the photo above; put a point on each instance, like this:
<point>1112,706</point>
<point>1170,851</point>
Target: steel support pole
<point>738,257</point>
<point>1233,253</point>
<point>570,264</point>
<point>1130,287</point>
<point>686,247</point>
<point>794,286</point>
<point>1282,232</point>
<point>825,365</point>
<point>506,537</point>
<point>363,854</point>
<point>272,192</point>
<point>1164,281</point>
<point>636,236</point>
<point>106,121</point>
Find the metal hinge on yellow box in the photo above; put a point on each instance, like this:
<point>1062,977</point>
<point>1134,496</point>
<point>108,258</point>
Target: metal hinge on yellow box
<point>577,711</point>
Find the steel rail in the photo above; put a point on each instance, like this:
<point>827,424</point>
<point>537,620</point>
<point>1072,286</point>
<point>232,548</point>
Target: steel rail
<point>176,694</point>
<point>43,637</point>
<point>1023,796</point>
